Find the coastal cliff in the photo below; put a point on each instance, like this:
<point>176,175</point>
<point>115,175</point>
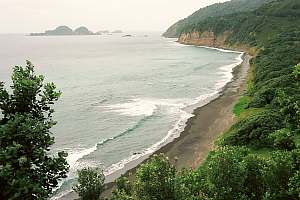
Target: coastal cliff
<point>210,39</point>
<point>206,38</point>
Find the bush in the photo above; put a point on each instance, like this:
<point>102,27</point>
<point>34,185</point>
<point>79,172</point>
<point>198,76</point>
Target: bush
<point>155,180</point>
<point>282,139</point>
<point>90,184</point>
<point>255,129</point>
<point>124,189</point>
<point>296,71</point>
<point>224,171</point>
<point>294,184</point>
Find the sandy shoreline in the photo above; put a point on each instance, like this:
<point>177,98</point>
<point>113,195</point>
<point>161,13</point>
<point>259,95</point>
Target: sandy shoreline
<point>209,122</point>
<point>201,131</point>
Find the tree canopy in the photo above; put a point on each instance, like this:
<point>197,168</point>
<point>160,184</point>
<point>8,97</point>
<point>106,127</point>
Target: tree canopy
<point>28,171</point>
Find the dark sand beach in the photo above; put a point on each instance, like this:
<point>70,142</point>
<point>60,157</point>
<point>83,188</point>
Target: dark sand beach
<point>209,122</point>
<point>201,131</point>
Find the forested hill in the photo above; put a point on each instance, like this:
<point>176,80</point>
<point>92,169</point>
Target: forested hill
<point>248,28</point>
<point>215,10</point>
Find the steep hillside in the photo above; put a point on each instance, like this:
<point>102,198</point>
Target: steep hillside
<point>251,29</point>
<point>216,10</point>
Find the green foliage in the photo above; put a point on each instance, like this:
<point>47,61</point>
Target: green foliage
<point>90,184</point>
<point>255,129</point>
<point>289,107</point>
<point>189,184</point>
<point>213,11</point>
<point>241,105</point>
<point>224,171</point>
<point>296,71</point>
<point>124,189</point>
<point>27,169</point>
<point>282,139</point>
<point>155,180</point>
<point>294,184</point>
<point>280,167</point>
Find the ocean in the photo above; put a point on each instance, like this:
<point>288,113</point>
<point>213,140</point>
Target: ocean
<point>123,97</point>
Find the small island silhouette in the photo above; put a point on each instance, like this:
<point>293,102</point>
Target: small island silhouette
<point>65,30</point>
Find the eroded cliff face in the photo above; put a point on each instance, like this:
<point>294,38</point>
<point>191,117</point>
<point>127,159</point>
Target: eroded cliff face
<point>208,38</point>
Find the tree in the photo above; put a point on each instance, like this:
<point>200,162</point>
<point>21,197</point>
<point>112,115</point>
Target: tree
<point>279,169</point>
<point>296,71</point>
<point>90,183</point>
<point>289,108</point>
<point>27,170</point>
<point>226,175</point>
<point>155,180</point>
<point>124,189</point>
<point>294,184</point>
<point>191,185</point>
<point>254,184</point>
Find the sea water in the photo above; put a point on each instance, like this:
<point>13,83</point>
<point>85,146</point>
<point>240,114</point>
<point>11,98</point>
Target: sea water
<point>123,97</point>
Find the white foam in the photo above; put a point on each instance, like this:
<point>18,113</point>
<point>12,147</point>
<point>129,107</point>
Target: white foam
<point>172,134</point>
<point>220,49</point>
<point>227,72</point>
<point>140,107</point>
<point>73,157</point>
<point>72,160</point>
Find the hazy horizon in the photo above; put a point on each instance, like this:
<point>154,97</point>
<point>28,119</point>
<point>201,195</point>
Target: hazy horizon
<point>132,15</point>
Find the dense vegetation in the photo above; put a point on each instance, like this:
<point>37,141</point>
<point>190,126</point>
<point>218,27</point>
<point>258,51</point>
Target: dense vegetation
<point>27,171</point>
<point>213,11</point>
<point>259,157</point>
<point>90,183</point>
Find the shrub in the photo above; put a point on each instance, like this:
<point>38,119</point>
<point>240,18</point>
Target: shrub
<point>90,184</point>
<point>255,129</point>
<point>282,139</point>
<point>155,180</point>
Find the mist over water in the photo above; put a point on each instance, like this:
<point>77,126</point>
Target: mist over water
<point>123,97</point>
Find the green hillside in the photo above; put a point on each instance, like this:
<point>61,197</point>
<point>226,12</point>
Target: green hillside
<point>216,10</point>
<point>259,157</point>
<point>253,28</point>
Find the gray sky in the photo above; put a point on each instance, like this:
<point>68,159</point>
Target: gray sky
<point>24,16</point>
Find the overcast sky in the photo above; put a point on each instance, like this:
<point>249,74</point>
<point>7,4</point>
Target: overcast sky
<point>24,16</point>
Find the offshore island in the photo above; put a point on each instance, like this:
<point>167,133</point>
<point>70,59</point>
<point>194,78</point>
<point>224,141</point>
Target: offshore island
<point>65,30</point>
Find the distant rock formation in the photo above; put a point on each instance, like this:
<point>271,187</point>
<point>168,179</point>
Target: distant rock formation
<point>83,31</point>
<point>61,30</point>
<point>65,30</point>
